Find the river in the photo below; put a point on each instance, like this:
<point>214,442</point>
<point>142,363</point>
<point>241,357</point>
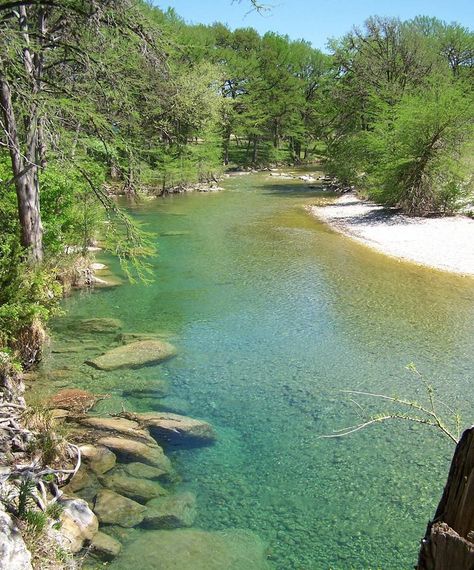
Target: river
<point>274,315</point>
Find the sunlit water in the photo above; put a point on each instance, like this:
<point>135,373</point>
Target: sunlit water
<point>274,314</point>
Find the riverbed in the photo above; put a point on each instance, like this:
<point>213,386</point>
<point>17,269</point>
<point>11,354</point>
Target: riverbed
<point>274,315</point>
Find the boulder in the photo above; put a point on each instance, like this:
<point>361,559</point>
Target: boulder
<point>174,427</point>
<point>99,459</point>
<point>134,355</point>
<point>131,450</point>
<point>81,479</point>
<point>142,471</point>
<point>193,549</point>
<point>105,547</point>
<point>13,551</point>
<point>78,523</point>
<point>112,508</point>
<point>140,490</point>
<point>118,425</point>
<point>174,511</point>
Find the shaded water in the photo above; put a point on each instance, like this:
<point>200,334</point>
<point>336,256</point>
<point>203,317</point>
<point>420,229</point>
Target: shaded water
<point>273,315</point>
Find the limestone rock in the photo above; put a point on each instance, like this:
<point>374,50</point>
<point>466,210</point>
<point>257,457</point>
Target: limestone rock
<point>175,427</point>
<point>78,523</point>
<point>13,551</point>
<point>105,547</point>
<point>118,425</point>
<point>98,458</point>
<point>81,479</point>
<point>134,355</point>
<point>131,450</point>
<point>192,549</point>
<point>174,511</point>
<point>142,471</point>
<point>112,508</point>
<point>140,490</point>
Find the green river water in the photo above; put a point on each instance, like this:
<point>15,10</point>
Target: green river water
<point>273,315</point>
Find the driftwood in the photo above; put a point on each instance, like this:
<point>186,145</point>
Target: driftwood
<point>449,540</point>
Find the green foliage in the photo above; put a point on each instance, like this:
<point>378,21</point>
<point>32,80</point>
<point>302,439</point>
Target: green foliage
<point>400,112</point>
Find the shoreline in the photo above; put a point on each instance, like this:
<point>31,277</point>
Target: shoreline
<point>445,243</point>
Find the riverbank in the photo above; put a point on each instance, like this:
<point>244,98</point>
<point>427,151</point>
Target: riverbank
<point>446,244</point>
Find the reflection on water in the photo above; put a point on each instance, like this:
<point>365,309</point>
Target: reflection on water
<point>273,315</point>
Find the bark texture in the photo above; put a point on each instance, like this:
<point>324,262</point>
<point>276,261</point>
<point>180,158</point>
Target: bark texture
<point>449,538</point>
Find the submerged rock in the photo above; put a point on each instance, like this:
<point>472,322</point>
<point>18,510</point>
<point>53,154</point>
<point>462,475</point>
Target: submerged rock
<point>98,325</point>
<point>98,458</point>
<point>174,511</point>
<point>78,523</point>
<point>130,450</point>
<point>105,547</point>
<point>13,551</point>
<point>174,427</point>
<point>140,490</point>
<point>192,549</point>
<point>157,389</point>
<point>112,508</point>
<point>83,478</point>
<point>134,355</point>
<point>142,471</point>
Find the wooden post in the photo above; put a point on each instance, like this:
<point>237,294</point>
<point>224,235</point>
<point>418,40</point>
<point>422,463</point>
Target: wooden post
<point>449,540</point>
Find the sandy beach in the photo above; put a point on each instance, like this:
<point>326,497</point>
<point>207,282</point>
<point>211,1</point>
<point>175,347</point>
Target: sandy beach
<point>442,243</point>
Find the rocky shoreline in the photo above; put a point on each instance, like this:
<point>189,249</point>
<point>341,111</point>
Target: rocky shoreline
<point>117,479</point>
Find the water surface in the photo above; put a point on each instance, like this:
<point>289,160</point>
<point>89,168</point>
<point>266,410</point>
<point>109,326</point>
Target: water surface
<point>274,314</point>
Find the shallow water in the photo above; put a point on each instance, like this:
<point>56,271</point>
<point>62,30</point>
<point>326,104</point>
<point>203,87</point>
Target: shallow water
<point>274,314</point>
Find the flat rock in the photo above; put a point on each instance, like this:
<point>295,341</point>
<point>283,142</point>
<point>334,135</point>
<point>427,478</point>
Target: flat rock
<point>174,511</point>
<point>134,355</point>
<point>112,508</point>
<point>98,458</point>
<point>118,425</point>
<point>143,471</point>
<point>141,490</point>
<point>192,549</point>
<point>105,547</point>
<point>78,523</point>
<point>131,450</point>
<point>174,427</point>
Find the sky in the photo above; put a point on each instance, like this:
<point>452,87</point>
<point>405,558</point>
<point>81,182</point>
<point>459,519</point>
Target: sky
<point>316,20</point>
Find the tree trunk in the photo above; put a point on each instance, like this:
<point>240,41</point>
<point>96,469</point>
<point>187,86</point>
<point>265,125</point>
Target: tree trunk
<point>449,538</point>
<point>25,177</point>
<point>255,149</point>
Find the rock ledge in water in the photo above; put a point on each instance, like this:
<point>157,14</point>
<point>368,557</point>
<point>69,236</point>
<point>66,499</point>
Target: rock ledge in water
<point>134,355</point>
<point>174,427</point>
<point>192,549</point>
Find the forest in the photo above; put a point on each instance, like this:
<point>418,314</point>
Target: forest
<point>118,98</point>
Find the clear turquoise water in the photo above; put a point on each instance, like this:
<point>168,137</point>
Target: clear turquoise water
<point>273,315</point>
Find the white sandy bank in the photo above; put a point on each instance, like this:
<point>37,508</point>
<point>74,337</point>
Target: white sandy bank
<point>443,243</point>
